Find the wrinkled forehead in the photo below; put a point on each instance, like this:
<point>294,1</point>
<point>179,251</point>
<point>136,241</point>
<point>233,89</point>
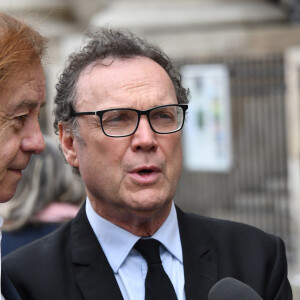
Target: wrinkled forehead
<point>23,72</point>
<point>28,86</point>
<point>114,78</point>
<point>124,68</point>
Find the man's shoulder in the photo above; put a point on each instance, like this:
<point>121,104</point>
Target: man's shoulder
<point>238,250</point>
<point>47,261</point>
<point>51,243</point>
<point>55,244</point>
<point>220,224</point>
<point>227,232</point>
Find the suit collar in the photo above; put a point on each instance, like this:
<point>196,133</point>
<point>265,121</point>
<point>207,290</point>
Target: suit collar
<point>200,271</point>
<point>93,273</point>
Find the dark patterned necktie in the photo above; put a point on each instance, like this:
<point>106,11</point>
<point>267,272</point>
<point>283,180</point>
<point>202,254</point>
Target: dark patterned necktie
<point>158,285</point>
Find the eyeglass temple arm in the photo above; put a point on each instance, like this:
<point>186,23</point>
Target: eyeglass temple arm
<point>85,113</point>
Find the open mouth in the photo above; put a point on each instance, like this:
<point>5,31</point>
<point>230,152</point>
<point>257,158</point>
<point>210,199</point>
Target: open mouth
<point>145,175</point>
<point>145,172</point>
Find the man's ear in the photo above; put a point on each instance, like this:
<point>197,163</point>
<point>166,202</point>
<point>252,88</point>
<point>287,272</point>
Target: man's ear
<point>67,141</point>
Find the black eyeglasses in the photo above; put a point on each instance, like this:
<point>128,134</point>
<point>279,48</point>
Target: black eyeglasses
<point>121,122</point>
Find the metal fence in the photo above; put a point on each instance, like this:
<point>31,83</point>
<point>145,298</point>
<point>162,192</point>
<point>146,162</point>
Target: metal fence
<point>255,191</point>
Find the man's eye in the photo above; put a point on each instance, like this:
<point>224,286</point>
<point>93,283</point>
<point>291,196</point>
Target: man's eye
<point>165,116</point>
<point>162,116</point>
<point>115,119</point>
<point>22,118</point>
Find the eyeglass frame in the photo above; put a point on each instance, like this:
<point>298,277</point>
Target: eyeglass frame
<point>140,113</point>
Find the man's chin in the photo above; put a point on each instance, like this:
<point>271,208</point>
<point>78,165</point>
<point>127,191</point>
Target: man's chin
<point>150,204</point>
<point>7,193</point>
<point>5,199</point>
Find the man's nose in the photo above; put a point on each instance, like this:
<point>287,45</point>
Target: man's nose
<point>33,140</point>
<point>144,138</point>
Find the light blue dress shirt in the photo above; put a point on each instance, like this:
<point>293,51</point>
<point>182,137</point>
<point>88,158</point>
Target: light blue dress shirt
<point>128,265</point>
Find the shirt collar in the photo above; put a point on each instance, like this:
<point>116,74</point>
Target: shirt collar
<point>168,234</point>
<point>117,242</point>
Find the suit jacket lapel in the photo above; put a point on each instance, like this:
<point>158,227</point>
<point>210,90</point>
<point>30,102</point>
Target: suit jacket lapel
<point>200,270</point>
<point>94,275</point>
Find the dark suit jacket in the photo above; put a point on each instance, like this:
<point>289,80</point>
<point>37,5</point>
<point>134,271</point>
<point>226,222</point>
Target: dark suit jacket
<point>7,288</point>
<point>69,264</point>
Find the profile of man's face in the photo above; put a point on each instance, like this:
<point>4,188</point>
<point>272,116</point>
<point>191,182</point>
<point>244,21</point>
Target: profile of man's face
<point>134,174</point>
<point>20,134</point>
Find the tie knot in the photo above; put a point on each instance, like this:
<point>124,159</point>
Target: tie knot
<point>149,248</point>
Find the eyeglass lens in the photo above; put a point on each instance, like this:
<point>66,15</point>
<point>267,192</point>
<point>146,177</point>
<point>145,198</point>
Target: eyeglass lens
<point>120,122</point>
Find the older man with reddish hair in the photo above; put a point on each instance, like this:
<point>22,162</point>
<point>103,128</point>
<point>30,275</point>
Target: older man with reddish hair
<point>22,93</point>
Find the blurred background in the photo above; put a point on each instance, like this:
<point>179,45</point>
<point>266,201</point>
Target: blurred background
<point>241,61</point>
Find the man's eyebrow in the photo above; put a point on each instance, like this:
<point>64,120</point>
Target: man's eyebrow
<point>24,104</point>
<point>43,103</point>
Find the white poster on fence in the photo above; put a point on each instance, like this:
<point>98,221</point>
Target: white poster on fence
<point>207,133</point>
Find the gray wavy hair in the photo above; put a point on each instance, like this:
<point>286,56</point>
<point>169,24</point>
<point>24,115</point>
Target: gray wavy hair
<point>106,43</point>
<point>47,179</point>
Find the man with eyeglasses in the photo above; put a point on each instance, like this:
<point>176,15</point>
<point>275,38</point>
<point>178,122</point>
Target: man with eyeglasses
<point>119,110</point>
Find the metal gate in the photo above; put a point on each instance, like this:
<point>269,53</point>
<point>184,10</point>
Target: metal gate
<point>255,191</point>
